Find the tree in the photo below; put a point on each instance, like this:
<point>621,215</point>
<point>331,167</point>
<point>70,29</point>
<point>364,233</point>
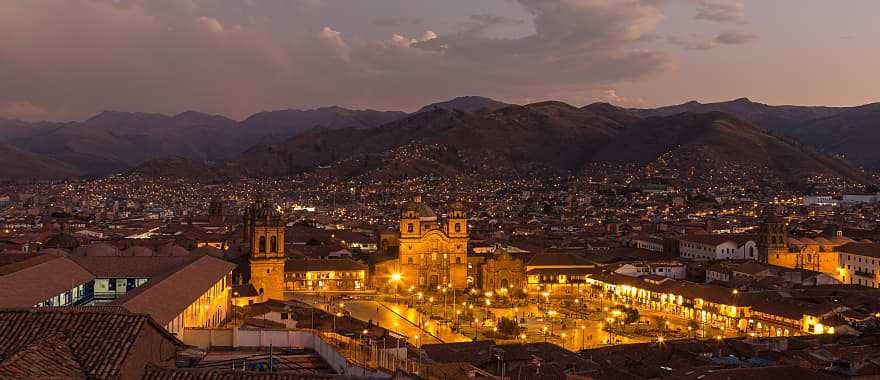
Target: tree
<point>631,316</point>
<point>508,326</point>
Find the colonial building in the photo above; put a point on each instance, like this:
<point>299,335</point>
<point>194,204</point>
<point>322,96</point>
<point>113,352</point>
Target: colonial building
<point>860,264</point>
<point>502,272</point>
<point>266,228</point>
<point>718,247</point>
<point>324,275</point>
<point>432,252</point>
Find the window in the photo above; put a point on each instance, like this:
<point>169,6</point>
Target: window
<point>457,227</point>
<point>409,227</point>
<point>409,260</point>
<point>283,316</point>
<point>458,260</point>
<point>273,244</point>
<point>262,247</point>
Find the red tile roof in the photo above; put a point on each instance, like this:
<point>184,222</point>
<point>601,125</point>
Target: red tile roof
<point>165,297</point>
<point>68,341</point>
<point>38,278</point>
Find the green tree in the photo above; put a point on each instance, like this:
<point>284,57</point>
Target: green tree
<point>508,326</point>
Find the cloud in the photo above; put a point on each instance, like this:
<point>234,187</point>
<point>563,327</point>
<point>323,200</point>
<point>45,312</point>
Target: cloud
<point>734,37</point>
<point>334,41</point>
<point>22,110</point>
<point>724,11</point>
<point>73,59</point>
<point>211,24</point>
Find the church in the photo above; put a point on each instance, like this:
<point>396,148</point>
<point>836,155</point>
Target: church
<point>264,225</point>
<point>432,252</point>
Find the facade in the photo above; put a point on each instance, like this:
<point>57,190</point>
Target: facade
<point>673,270</point>
<point>433,252</point>
<point>815,254</point>
<point>325,275</point>
<point>502,272</point>
<point>267,251</point>
<point>718,247</point>
<point>718,306</point>
<point>859,264</point>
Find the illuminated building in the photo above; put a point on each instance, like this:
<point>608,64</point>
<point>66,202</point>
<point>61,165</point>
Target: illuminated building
<point>267,251</point>
<point>433,253</point>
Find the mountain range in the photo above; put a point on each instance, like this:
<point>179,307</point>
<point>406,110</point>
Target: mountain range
<point>466,134</point>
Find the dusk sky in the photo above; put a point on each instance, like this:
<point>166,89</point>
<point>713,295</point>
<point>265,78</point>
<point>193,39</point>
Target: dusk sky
<point>67,60</point>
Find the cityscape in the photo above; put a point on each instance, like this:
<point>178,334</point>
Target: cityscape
<point>551,229</point>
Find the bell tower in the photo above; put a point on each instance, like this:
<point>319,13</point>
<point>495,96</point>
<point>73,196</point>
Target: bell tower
<point>410,223</point>
<point>456,220</point>
<point>267,251</point>
<point>772,237</point>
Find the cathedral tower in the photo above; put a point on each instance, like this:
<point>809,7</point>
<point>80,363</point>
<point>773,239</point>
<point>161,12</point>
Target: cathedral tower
<point>267,251</point>
<point>456,220</point>
<point>772,237</point>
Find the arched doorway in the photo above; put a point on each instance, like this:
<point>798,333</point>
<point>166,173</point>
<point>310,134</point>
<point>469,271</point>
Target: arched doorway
<point>504,283</point>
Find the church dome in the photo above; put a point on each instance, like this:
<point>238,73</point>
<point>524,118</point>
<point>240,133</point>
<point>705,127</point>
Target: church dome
<point>421,210</point>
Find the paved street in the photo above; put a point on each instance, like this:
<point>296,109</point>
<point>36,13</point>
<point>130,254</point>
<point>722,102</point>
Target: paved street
<point>395,317</point>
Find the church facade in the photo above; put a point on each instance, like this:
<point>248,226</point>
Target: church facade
<point>432,252</point>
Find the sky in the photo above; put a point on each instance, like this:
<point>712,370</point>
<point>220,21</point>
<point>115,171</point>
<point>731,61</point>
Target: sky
<point>71,59</point>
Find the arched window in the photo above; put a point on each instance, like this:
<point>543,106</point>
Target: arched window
<point>262,244</point>
<point>458,260</point>
<point>457,227</point>
<point>273,244</point>
<point>409,260</point>
<point>409,227</point>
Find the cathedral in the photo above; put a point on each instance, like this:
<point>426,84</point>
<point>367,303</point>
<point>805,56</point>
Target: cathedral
<point>433,252</point>
<point>264,226</point>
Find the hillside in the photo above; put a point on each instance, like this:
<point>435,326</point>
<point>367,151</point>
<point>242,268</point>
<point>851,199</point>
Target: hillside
<point>466,103</point>
<point>773,118</point>
<point>550,135</point>
<point>854,133</point>
<point>22,165</point>
<point>715,146</point>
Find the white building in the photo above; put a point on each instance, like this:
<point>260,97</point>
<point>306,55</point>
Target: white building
<point>648,243</point>
<point>718,247</point>
<point>673,270</point>
<point>859,264</point>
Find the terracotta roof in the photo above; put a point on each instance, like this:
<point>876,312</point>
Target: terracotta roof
<point>862,249</point>
<point>38,278</point>
<point>132,266</point>
<point>558,259</point>
<point>67,342</point>
<point>165,297</point>
<point>48,358</point>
